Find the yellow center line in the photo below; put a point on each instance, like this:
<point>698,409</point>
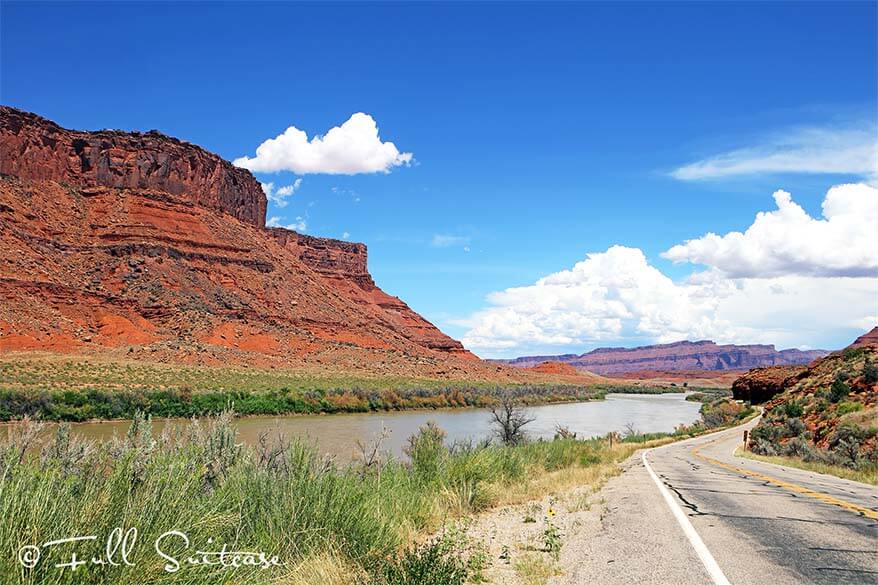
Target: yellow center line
<point>825,498</point>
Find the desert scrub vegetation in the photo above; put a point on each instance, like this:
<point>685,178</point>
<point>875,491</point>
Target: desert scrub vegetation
<point>64,390</point>
<point>87,404</point>
<point>277,496</point>
<point>848,445</point>
<point>706,395</point>
<point>828,422</point>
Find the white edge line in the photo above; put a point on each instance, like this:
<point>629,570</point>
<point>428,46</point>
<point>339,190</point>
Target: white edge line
<point>710,564</point>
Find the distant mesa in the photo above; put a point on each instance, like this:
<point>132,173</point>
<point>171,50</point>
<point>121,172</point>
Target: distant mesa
<point>683,357</point>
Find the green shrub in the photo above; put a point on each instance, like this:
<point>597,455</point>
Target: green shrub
<point>794,409</point>
<point>853,353</point>
<point>839,389</point>
<point>870,372</point>
<point>762,446</point>
<point>846,443</point>
<point>797,447</point>
<point>435,562</point>
<point>848,407</point>
<point>427,452</point>
<point>793,427</point>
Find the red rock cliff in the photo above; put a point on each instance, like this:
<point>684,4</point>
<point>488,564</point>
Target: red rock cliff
<point>38,149</point>
<point>343,265</point>
<point>333,259</point>
<point>133,250</point>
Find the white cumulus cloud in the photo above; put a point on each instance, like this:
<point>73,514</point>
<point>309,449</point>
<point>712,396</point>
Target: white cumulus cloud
<point>844,242</point>
<point>349,149</point>
<point>300,225</point>
<point>805,150</point>
<point>279,196</point>
<point>608,296</point>
<point>790,280</point>
<point>616,297</point>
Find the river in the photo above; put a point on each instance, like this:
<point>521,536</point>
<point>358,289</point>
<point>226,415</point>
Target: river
<point>337,434</point>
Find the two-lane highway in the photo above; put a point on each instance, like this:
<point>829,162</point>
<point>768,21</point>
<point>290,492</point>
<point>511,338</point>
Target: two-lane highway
<point>693,513</point>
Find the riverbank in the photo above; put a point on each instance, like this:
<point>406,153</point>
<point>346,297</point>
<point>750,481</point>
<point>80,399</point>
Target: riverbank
<point>278,497</point>
<point>364,523</point>
<point>338,435</point>
<point>73,389</point>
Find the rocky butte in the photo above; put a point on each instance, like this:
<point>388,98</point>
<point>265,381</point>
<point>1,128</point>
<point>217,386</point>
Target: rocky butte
<point>140,245</point>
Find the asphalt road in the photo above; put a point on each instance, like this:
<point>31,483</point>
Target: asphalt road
<point>750,522</point>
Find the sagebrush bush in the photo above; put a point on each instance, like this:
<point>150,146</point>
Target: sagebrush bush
<point>762,446</point>
<point>846,445</point>
<point>796,447</point>
<point>793,427</point>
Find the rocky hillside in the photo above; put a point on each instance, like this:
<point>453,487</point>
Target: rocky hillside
<point>682,356</point>
<point>144,246</point>
<point>826,412</point>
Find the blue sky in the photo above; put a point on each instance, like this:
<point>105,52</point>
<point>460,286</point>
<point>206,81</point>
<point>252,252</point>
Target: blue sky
<point>539,133</point>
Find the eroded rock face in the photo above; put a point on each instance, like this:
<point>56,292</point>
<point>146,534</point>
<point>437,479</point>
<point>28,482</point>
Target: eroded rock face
<point>762,384</point>
<point>679,356</point>
<point>343,264</point>
<point>333,259</point>
<point>38,149</point>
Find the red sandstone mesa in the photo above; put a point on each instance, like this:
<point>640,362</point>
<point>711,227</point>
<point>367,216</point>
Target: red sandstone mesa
<point>142,245</point>
<point>682,356</point>
<point>35,148</point>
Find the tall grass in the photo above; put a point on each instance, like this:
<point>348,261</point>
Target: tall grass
<point>278,497</point>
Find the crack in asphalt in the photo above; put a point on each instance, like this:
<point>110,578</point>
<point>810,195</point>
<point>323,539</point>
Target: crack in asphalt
<point>858,571</point>
<point>696,511</point>
<point>733,493</point>
<point>691,505</point>
<point>846,550</point>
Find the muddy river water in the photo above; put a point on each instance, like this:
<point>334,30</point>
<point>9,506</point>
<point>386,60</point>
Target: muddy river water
<point>338,434</point>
